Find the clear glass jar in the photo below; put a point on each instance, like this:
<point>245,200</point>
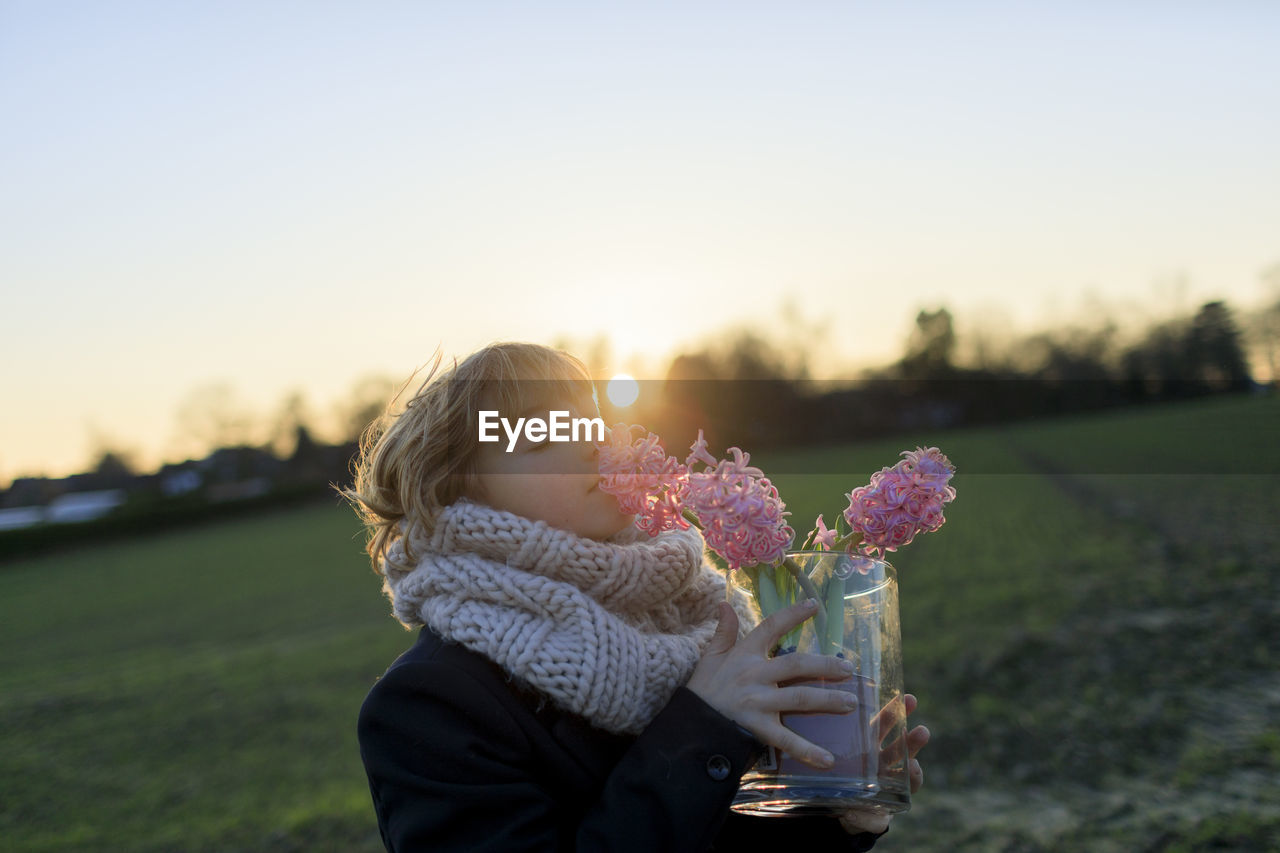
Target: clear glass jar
<point>859,622</point>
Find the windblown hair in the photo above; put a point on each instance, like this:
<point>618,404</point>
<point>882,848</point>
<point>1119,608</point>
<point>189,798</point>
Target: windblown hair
<point>414,463</point>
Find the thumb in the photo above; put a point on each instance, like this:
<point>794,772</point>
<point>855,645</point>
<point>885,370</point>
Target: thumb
<point>726,631</point>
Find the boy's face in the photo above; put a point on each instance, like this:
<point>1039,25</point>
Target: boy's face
<point>551,481</point>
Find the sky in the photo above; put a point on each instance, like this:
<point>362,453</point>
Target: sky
<point>286,197</point>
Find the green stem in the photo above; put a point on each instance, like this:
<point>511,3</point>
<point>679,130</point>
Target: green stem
<point>834,606</point>
<point>767,596</point>
<point>820,617</point>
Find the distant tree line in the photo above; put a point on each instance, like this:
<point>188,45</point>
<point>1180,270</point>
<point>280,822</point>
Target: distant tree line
<point>286,463</point>
<point>751,392</point>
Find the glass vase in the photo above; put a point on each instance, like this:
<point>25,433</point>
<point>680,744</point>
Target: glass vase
<point>857,620</point>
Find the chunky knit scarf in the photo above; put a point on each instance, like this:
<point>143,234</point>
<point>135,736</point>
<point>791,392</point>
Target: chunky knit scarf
<point>607,630</point>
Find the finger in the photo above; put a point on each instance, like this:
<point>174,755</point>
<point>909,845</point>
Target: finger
<point>726,631</point>
<point>795,746</point>
<point>767,634</point>
<point>916,740</point>
<point>863,820</point>
<point>890,715</point>
<point>893,754</point>
<point>813,700</point>
<point>916,775</point>
<point>801,666</point>
<point>893,713</point>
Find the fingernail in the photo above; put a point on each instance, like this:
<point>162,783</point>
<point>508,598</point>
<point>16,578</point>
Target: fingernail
<point>824,758</point>
<point>810,604</point>
<point>846,665</point>
<point>850,701</point>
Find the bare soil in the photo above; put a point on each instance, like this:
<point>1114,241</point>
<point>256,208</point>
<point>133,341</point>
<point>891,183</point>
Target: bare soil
<point>1146,720</point>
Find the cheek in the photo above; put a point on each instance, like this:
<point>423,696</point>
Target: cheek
<point>506,492</point>
<point>555,500</point>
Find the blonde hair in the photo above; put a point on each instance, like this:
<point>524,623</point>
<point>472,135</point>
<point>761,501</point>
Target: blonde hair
<point>414,463</point>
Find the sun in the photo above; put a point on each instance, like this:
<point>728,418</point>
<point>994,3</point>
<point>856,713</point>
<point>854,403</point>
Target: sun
<point>622,390</point>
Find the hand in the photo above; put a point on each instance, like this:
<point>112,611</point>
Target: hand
<point>740,680</point>
<point>864,820</point>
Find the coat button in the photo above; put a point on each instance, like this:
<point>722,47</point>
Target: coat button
<point>718,767</point>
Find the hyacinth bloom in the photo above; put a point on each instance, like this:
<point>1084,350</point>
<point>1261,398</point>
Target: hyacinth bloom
<point>644,479</point>
<point>901,501</point>
<point>740,513</point>
<point>742,517</point>
<point>824,539</point>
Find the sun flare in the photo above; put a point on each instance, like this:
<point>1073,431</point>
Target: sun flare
<point>622,390</point>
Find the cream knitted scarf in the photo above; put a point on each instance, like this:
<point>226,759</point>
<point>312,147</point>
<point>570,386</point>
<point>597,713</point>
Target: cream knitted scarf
<point>607,630</point>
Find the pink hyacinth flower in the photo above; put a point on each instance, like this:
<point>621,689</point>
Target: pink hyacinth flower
<point>646,481</point>
<point>824,539</point>
<point>743,519</point>
<point>901,501</point>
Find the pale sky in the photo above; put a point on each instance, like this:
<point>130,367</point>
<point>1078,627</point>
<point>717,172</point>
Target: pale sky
<point>282,196</point>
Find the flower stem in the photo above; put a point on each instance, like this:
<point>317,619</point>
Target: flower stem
<point>820,617</point>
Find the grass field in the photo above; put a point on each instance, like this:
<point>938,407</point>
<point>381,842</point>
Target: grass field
<point>1091,635</point>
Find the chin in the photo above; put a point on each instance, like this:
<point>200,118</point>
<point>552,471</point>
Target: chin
<point>611,529</point>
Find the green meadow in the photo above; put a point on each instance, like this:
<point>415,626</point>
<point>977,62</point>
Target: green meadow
<point>1091,636</point>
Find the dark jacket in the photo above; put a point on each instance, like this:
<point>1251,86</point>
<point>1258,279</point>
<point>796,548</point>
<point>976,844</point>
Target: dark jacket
<point>461,758</point>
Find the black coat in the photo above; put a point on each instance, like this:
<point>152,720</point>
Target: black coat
<point>461,758</point>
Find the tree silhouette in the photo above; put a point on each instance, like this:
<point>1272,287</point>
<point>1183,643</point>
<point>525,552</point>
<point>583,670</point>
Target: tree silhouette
<point>365,403</point>
<point>113,465</point>
<point>742,391</point>
<point>1264,325</point>
<point>290,425</point>
<point>931,347</point>
<point>1215,356</point>
<point>212,416</point>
